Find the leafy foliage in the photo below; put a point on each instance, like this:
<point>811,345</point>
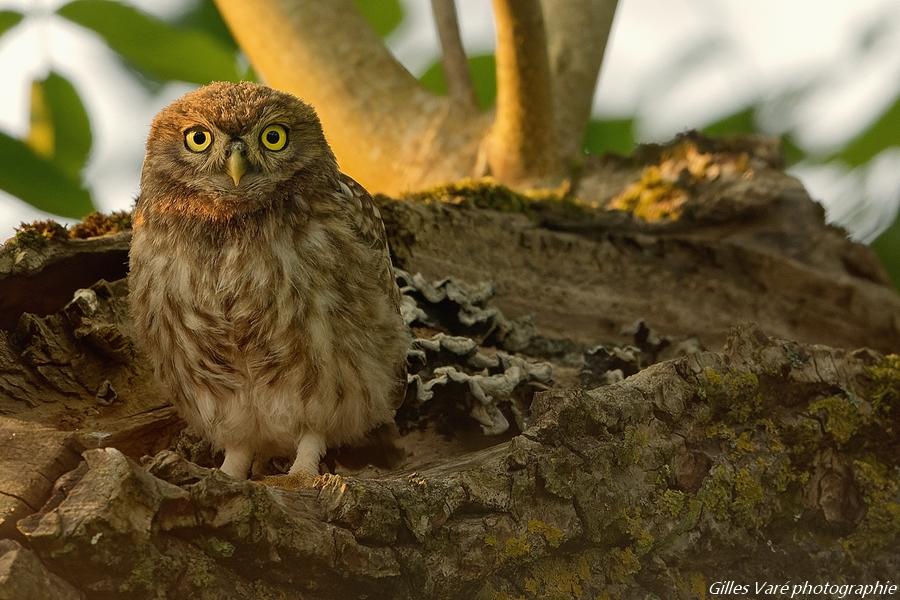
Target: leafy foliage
<point>41,182</point>
<point>383,15</point>
<point>204,16</point>
<point>154,47</point>
<point>8,20</point>
<point>47,168</point>
<point>609,135</point>
<point>58,114</point>
<point>742,121</point>
<point>482,69</point>
<point>887,246</point>
<point>882,134</point>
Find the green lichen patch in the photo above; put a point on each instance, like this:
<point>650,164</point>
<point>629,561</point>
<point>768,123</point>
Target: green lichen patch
<point>537,535</point>
<point>733,395</point>
<point>663,189</point>
<point>756,468</point>
<point>866,418</point>
<point>620,564</point>
<point>552,535</point>
<point>558,578</point>
<point>884,390</point>
<point>218,547</point>
<point>651,198</point>
<point>516,547</point>
<point>672,503</point>
<point>842,416</point>
<point>638,528</point>
<point>146,574</point>
<point>486,193</point>
<point>633,446</point>
<point>880,528</point>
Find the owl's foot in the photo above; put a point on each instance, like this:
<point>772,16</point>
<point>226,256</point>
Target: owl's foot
<point>237,462</point>
<point>304,473</point>
<point>291,481</point>
<point>310,451</point>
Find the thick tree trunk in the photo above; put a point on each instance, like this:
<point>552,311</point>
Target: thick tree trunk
<point>389,132</point>
<point>522,146</point>
<point>394,136</point>
<point>763,459</point>
<point>577,35</point>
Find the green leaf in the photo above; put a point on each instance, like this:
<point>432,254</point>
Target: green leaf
<point>9,19</point>
<point>483,70</point>
<point>154,47</point>
<point>887,247</point>
<point>60,129</point>
<point>879,136</point>
<point>383,15</point>
<point>204,16</point>
<point>743,121</point>
<point>40,182</point>
<point>791,150</point>
<point>609,135</point>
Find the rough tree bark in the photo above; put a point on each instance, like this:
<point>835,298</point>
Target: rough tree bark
<point>390,133</point>
<point>763,458</point>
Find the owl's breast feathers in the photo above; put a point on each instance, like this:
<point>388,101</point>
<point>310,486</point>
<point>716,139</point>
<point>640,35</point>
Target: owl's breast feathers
<point>302,304</point>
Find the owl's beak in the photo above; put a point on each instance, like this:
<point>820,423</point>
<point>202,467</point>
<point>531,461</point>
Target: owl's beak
<point>237,166</point>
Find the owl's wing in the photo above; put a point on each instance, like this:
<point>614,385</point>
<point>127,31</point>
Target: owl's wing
<point>367,222</point>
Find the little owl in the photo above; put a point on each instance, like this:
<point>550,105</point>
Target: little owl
<point>261,285</point>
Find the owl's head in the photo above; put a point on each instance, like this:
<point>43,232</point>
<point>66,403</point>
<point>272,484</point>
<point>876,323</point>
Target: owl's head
<point>227,149</point>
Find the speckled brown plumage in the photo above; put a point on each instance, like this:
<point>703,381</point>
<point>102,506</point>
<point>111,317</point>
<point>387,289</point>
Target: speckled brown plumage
<point>263,295</point>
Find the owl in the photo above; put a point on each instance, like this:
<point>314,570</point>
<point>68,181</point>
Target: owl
<point>260,284</point>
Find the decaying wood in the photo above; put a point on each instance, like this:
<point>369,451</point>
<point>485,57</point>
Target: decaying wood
<point>23,576</point>
<point>34,456</point>
<point>654,485</point>
<point>44,280</point>
<point>655,458</point>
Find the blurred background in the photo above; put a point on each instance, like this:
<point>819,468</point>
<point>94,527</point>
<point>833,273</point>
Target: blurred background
<point>81,81</point>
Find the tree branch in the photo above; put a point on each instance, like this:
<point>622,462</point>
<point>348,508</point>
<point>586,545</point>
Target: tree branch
<point>577,35</point>
<point>386,130</point>
<point>453,55</point>
<point>522,143</point>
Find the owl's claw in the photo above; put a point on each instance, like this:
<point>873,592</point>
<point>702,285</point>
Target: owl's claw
<point>291,481</point>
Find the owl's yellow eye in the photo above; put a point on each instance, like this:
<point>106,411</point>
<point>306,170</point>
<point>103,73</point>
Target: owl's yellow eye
<point>197,140</point>
<point>274,137</point>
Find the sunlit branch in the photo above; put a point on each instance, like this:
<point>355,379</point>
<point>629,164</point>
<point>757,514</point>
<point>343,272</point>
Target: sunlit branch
<point>453,55</point>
